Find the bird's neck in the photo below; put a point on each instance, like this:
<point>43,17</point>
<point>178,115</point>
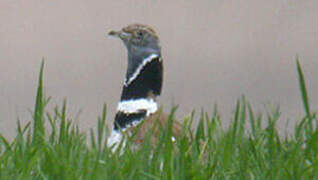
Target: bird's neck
<point>141,87</point>
<point>137,56</point>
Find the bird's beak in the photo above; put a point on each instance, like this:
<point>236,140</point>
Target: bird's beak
<point>121,34</point>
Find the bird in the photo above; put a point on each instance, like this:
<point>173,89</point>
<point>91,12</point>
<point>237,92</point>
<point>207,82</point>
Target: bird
<point>138,109</point>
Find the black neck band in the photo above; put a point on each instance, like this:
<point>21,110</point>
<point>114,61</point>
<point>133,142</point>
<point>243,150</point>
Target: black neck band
<point>146,84</point>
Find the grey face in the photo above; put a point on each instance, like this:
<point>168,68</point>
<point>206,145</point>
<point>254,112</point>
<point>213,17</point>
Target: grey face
<point>139,39</point>
<point>141,42</point>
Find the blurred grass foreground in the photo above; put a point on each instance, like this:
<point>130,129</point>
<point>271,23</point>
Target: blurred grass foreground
<point>209,151</point>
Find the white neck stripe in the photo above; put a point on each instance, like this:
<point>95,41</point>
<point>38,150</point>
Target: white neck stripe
<point>144,62</point>
<point>135,105</point>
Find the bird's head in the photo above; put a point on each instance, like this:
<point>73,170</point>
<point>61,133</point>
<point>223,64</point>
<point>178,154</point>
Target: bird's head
<point>139,39</point>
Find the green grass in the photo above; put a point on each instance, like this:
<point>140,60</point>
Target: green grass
<point>61,151</point>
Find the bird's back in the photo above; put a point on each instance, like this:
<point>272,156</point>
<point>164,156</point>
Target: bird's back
<point>152,126</point>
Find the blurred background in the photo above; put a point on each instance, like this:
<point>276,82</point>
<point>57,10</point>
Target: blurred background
<point>214,52</point>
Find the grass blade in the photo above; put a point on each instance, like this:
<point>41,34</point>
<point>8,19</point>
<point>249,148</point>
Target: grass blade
<point>38,128</point>
<point>303,90</point>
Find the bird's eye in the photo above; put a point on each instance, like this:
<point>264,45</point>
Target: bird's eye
<point>139,33</point>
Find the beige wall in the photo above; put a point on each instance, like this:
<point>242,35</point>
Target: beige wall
<point>214,51</point>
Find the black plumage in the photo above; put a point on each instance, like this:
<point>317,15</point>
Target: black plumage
<point>148,82</point>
